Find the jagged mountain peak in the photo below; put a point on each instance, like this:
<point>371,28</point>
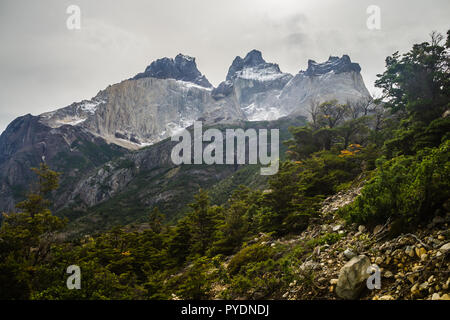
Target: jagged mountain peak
<point>183,67</point>
<point>335,64</point>
<point>252,61</point>
<point>253,58</point>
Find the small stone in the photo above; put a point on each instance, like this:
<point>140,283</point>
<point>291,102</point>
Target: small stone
<point>379,260</point>
<point>416,268</point>
<point>431,279</point>
<point>435,296</point>
<point>387,297</point>
<point>397,253</point>
<point>334,281</point>
<point>441,237</point>
<point>423,286</point>
<point>445,297</point>
<point>349,254</point>
<point>445,248</point>
<point>423,257</point>
<point>388,274</point>
<point>420,251</point>
<point>361,228</point>
<point>409,251</point>
<point>445,286</point>
<point>377,229</point>
<point>337,228</point>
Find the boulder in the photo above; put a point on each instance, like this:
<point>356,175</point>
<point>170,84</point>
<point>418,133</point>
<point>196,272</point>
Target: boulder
<point>352,278</point>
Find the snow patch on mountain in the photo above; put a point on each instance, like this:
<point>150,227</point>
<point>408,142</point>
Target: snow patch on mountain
<point>260,74</point>
<point>257,113</point>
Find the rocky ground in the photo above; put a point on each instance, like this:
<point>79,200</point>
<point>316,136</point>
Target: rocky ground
<point>411,266</point>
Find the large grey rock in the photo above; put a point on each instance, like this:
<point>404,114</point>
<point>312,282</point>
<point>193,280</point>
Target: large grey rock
<point>352,278</point>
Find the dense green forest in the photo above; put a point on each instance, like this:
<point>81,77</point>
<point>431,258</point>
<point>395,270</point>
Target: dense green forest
<point>397,146</point>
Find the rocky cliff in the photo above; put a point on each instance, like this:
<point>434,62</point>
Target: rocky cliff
<point>265,93</point>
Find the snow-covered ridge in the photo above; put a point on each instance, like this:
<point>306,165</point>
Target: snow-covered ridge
<point>73,115</point>
<point>189,85</point>
<point>262,113</point>
<point>269,73</point>
<point>90,106</point>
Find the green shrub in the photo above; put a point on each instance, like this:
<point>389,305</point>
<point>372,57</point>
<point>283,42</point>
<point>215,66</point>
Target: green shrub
<point>409,188</point>
<point>253,253</point>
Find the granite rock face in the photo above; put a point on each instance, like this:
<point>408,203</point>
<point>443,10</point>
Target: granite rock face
<point>265,93</point>
<point>172,93</point>
<point>315,86</point>
<point>255,84</point>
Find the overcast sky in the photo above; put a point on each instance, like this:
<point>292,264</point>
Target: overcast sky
<point>45,66</point>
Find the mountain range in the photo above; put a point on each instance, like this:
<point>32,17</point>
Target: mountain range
<point>114,149</point>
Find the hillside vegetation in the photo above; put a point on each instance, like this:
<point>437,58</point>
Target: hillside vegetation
<point>367,181</point>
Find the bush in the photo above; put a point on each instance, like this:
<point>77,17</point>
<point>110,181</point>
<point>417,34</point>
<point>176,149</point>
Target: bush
<point>253,253</point>
<point>409,188</point>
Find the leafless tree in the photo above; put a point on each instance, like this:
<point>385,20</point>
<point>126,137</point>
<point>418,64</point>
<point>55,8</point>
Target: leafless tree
<point>314,112</point>
<point>331,113</point>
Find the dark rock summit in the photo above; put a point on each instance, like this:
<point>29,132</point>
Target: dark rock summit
<point>252,59</point>
<point>181,68</point>
<point>336,64</point>
<point>251,67</point>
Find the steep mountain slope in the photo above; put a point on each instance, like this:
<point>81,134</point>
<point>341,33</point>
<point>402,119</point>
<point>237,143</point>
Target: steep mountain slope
<point>68,149</point>
<point>125,189</point>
